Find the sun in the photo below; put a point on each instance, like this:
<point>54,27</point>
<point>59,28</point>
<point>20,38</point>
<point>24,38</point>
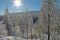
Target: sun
<point>17,3</point>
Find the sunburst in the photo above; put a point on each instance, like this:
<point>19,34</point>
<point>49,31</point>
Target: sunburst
<point>17,3</point>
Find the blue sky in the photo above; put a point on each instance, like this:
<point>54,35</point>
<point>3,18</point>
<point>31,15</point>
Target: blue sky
<point>32,5</point>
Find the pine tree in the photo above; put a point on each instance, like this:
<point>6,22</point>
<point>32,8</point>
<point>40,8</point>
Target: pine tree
<point>47,15</point>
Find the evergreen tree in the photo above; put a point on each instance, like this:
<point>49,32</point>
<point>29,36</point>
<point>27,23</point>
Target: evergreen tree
<point>47,17</point>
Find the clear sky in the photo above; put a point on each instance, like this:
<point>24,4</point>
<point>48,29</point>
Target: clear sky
<point>30,4</point>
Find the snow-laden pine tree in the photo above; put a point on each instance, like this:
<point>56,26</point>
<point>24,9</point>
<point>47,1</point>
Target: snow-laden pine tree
<point>7,21</point>
<point>48,20</point>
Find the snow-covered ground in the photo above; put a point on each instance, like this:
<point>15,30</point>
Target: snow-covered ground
<point>15,38</point>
